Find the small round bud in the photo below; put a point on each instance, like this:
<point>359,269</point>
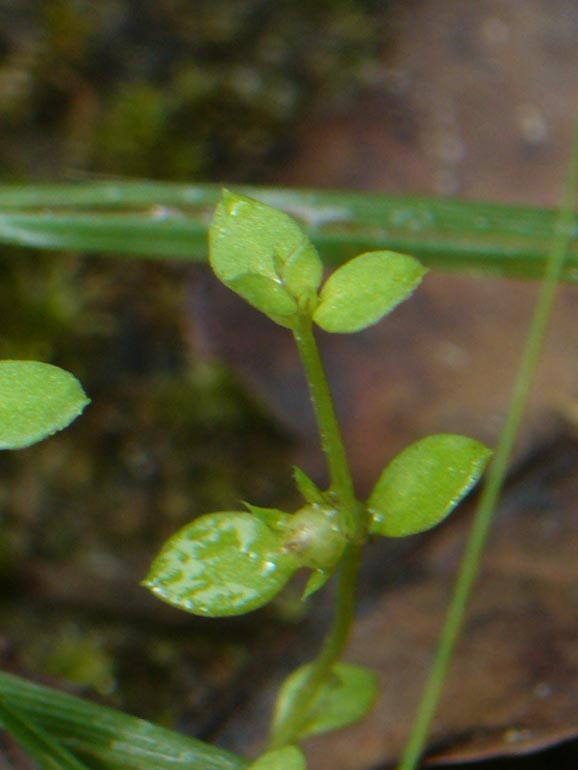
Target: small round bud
<point>314,536</point>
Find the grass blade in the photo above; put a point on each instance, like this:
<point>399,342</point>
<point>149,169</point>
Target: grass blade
<point>162,220</point>
<point>469,569</point>
<point>39,745</point>
<point>112,738</point>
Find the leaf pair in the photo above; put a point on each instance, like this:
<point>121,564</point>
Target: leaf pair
<point>264,256</point>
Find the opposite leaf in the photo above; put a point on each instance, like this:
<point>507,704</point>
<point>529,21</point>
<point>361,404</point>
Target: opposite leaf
<point>363,290</point>
<point>308,487</point>
<point>36,400</point>
<point>263,255</point>
<point>344,699</point>
<point>287,758</point>
<point>225,563</point>
<point>424,483</point>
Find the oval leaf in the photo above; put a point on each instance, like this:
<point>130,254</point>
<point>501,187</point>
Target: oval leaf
<point>225,563</point>
<point>347,697</point>
<point>366,288</point>
<point>36,400</point>
<point>287,758</point>
<point>424,483</point>
<point>263,255</point>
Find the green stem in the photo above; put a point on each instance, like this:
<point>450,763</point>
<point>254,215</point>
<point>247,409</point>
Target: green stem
<point>497,474</point>
<point>330,432</point>
<point>288,730</point>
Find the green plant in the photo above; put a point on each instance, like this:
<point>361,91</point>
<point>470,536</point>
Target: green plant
<point>262,254</point>
<point>231,562</point>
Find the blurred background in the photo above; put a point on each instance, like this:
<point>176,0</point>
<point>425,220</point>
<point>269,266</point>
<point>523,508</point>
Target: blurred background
<point>428,97</point>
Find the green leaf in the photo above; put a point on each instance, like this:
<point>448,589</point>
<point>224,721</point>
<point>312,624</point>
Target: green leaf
<point>49,754</point>
<point>266,295</point>
<point>424,483</point>
<point>308,487</point>
<point>287,758</point>
<point>366,288</point>
<point>272,517</point>
<point>36,400</point>
<point>112,739</point>
<point>263,255</point>
<point>302,272</point>
<point>225,563</point>
<point>317,580</point>
<point>347,697</point>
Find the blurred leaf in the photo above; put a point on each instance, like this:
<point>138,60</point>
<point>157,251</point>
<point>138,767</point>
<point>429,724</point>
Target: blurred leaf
<point>45,750</point>
<point>424,483</point>
<point>36,400</point>
<point>225,563</point>
<point>113,738</point>
<point>345,698</point>
<point>287,758</point>
<point>363,290</point>
<point>165,220</point>
<point>317,580</point>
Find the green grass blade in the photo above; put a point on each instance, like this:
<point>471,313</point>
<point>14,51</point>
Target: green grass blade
<point>39,745</point>
<point>564,232</point>
<point>162,220</point>
<point>109,737</point>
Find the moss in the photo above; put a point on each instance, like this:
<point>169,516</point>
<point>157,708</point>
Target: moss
<point>173,89</point>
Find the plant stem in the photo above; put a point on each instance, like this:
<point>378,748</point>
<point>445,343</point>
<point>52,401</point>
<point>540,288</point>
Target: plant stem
<point>497,473</point>
<point>330,432</point>
<point>287,730</point>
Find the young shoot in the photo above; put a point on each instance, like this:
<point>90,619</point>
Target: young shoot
<point>232,562</point>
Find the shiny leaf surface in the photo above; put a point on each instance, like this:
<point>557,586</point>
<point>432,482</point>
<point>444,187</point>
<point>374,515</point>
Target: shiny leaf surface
<point>225,563</point>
